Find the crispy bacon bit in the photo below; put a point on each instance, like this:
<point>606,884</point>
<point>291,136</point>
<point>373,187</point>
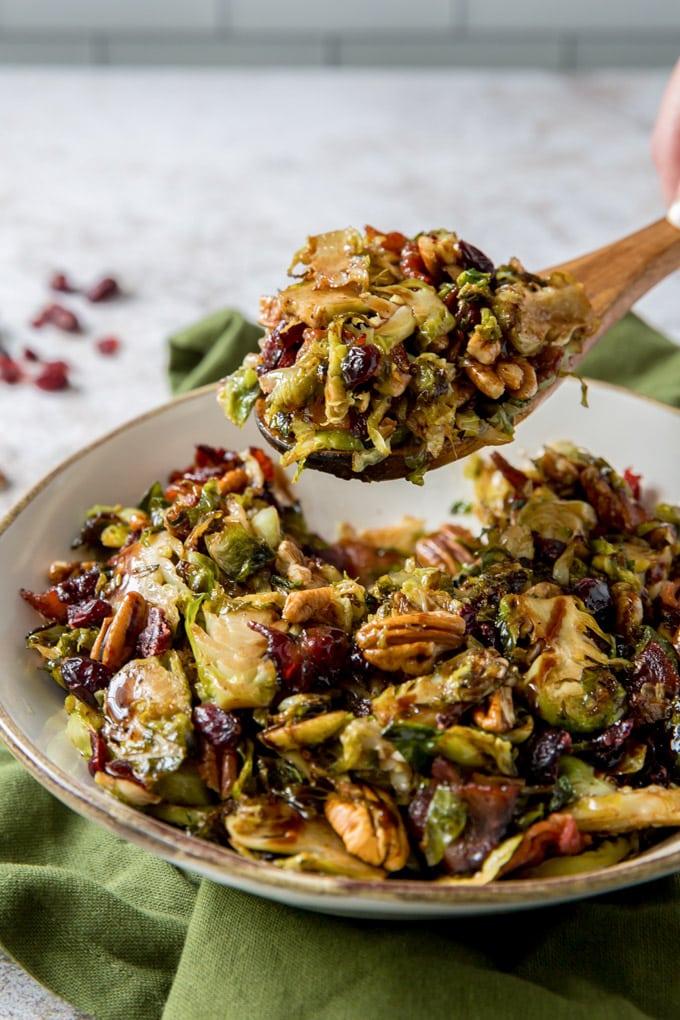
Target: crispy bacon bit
<point>616,509</point>
<point>393,241</point>
<point>47,603</point>
<point>554,836</point>
<point>209,462</point>
<point>520,482</point>
<point>490,806</point>
<point>156,638</point>
<point>655,684</point>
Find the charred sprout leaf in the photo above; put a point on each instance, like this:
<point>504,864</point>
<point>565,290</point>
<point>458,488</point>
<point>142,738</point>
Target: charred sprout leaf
<point>445,820</point>
<point>627,810</point>
<point>608,853</point>
<point>236,552</point>
<point>147,716</point>
<point>266,825</point>
<point>567,682</point>
<point>238,394</point>
<point>233,671</point>
<point>154,504</point>
<point>475,749</point>
<point>415,743</point>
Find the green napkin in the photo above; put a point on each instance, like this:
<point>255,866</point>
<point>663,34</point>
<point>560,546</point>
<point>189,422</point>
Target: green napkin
<point>124,936</point>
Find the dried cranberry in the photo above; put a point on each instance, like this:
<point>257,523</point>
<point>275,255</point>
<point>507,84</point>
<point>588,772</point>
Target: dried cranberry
<point>88,614</point>
<point>103,289</point>
<point>53,376</point>
<point>108,345</point>
<point>57,315</point>
<point>607,748</point>
<point>326,653</point>
<point>282,649</point>
<point>10,372</point>
<point>79,587</point>
<point>544,752</point>
<point>61,282</point>
<point>633,481</point>
<point>279,348</point>
<point>360,364</point>
<point>221,729</point>
<point>473,258</point>
<point>156,638</point>
<point>84,677</point>
<point>358,424</point>
<point>121,769</point>
<point>30,354</point>
<point>100,753</point>
<point>594,593</point>
<point>548,549</point>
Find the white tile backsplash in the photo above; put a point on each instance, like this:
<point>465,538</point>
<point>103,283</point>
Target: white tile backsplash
<point>234,52</point>
<point>108,14</point>
<point>350,16</point>
<point>577,16</point>
<point>581,34</point>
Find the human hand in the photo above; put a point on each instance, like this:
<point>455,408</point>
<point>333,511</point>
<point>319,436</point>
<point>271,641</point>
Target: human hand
<point>666,145</point>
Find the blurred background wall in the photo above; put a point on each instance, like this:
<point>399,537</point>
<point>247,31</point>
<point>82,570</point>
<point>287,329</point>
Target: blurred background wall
<point>572,35</point>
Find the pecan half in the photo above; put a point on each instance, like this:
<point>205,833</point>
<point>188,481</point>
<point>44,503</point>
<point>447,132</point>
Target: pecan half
<point>369,824</point>
<point>115,643</point>
<point>410,641</point>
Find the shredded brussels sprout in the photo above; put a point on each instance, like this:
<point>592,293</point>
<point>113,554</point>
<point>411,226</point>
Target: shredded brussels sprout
<point>462,705</point>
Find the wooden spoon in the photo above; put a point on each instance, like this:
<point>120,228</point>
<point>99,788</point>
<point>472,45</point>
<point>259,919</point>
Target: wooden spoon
<point>614,278</point>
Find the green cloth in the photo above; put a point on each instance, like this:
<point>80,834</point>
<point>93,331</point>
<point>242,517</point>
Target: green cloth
<point>125,936</point>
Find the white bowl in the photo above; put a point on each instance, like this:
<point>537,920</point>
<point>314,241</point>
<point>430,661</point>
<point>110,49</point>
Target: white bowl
<point>628,431</point>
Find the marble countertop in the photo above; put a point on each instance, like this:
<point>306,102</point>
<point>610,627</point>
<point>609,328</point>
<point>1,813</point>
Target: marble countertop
<point>195,188</point>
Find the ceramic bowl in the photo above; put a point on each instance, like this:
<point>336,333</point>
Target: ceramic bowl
<point>628,431</point>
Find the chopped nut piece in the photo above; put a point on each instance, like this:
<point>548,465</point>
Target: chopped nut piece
<point>369,824</point>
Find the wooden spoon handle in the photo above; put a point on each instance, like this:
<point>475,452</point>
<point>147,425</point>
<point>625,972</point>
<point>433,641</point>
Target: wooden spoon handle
<point>616,276</point>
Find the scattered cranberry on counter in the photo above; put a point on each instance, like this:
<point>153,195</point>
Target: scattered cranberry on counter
<point>104,289</point>
<point>61,282</point>
<point>57,315</point>
<point>10,371</point>
<point>108,345</point>
<point>53,376</point>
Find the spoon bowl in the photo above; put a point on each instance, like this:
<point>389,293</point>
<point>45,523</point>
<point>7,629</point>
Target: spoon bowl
<point>614,278</point>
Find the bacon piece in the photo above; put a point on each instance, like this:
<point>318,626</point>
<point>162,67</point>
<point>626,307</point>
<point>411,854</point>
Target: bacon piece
<point>655,684</point>
<point>616,509</point>
<point>490,806</point>
<point>554,836</point>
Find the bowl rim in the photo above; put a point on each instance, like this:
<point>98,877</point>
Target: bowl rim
<point>331,894</point>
